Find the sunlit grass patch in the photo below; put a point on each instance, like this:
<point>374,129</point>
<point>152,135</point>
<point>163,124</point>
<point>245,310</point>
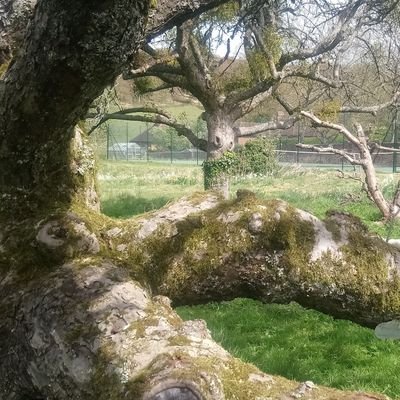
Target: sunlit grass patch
<point>124,205</point>
<point>303,344</point>
<point>313,190</point>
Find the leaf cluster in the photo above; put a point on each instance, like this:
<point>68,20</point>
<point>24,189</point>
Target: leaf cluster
<point>329,110</point>
<point>256,58</point>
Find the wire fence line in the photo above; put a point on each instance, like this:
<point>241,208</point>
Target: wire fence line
<point>146,148</point>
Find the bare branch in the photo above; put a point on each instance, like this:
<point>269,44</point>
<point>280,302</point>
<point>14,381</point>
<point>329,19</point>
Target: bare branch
<point>267,126</point>
<point>146,67</point>
<point>372,109</point>
<point>243,95</point>
<point>285,103</point>
<point>330,125</point>
<point>228,51</point>
<point>315,76</point>
<point>337,35</point>
<point>375,146</point>
<point>156,116</point>
<point>246,106</point>
<point>330,149</point>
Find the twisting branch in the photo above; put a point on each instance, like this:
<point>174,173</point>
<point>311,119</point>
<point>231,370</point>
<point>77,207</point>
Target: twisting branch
<point>154,89</point>
<point>154,68</point>
<point>342,29</point>
<point>360,140</point>
<point>329,149</point>
<point>267,126</point>
<point>152,115</point>
<point>372,109</point>
<point>147,66</point>
<point>330,125</point>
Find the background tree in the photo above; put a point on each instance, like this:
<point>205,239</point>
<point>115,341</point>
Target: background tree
<point>281,47</point>
<point>377,63</point>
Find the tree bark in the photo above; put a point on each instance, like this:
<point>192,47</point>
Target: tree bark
<point>81,312</point>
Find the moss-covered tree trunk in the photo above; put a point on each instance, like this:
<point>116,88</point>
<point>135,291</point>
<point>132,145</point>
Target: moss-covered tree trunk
<point>82,314</point>
<point>95,322</point>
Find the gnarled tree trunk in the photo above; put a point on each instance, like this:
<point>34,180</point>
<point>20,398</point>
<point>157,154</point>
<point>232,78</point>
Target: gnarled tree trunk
<point>97,325</point>
<point>81,312</point>
<point>221,138</point>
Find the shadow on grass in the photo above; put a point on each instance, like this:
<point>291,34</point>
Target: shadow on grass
<point>125,206</point>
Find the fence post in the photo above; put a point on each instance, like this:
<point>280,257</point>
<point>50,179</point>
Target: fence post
<point>147,142</point>
<point>298,141</point>
<point>342,150</point>
<point>108,142</point>
<point>127,142</point>
<point>395,145</point>
<point>171,146</point>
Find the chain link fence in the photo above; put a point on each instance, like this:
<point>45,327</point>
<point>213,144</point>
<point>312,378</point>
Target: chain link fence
<point>145,145</point>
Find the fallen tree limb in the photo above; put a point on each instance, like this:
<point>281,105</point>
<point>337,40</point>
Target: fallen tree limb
<point>99,326</point>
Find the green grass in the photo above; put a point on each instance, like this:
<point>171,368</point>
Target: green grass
<point>130,188</point>
<point>125,205</point>
<point>303,344</point>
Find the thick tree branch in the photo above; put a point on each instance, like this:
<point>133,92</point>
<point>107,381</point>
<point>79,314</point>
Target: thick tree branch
<point>268,55</point>
<point>267,126</point>
<point>168,14</point>
<point>350,158</point>
<point>330,125</point>
<point>393,102</point>
<point>89,330</point>
<point>199,82</point>
<point>150,66</point>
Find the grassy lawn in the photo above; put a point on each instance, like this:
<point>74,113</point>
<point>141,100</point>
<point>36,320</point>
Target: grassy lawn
<point>303,344</point>
<point>130,188</point>
<point>279,339</point>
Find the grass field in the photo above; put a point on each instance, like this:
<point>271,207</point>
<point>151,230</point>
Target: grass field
<point>130,188</point>
<point>303,344</point>
<point>280,339</point>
